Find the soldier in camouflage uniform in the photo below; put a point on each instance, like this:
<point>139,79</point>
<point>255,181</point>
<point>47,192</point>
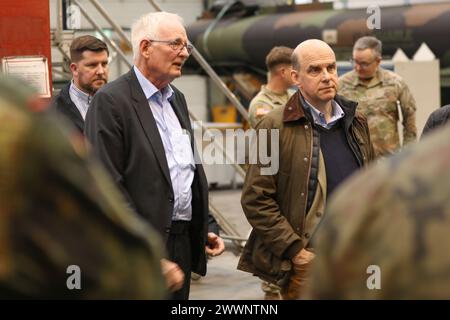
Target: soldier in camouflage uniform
<point>275,93</point>
<point>58,208</point>
<point>379,94</point>
<point>399,222</point>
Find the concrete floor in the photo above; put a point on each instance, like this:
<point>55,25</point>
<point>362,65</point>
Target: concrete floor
<point>223,281</point>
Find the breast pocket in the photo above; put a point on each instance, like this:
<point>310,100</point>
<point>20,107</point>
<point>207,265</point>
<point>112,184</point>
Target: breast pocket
<point>387,101</point>
<point>181,142</point>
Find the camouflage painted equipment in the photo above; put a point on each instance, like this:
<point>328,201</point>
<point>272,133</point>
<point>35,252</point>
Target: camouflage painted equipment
<point>244,40</point>
<point>379,101</point>
<point>59,208</point>
<point>399,221</point>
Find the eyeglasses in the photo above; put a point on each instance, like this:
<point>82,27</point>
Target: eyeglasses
<point>363,65</point>
<point>176,45</point>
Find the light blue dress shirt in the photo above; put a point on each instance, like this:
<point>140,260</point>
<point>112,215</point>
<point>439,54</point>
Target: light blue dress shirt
<point>80,99</point>
<point>319,117</point>
<point>177,146</point>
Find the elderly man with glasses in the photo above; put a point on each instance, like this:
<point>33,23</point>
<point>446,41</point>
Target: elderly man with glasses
<point>381,95</point>
<point>139,127</point>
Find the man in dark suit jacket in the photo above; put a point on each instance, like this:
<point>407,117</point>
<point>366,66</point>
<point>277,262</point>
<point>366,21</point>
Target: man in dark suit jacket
<point>437,119</point>
<point>139,127</point>
<point>89,67</point>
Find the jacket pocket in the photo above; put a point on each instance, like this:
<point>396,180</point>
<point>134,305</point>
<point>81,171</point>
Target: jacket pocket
<point>271,267</point>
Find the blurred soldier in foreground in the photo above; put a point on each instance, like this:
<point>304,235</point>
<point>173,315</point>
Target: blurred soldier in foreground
<point>275,93</point>
<point>379,93</point>
<point>393,236</point>
<point>437,119</point>
<point>322,141</point>
<point>59,210</point>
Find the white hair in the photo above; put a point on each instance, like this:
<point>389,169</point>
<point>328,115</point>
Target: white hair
<point>148,27</point>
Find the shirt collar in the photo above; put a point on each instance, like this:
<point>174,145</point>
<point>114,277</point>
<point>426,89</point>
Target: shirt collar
<point>377,78</point>
<point>83,96</point>
<point>319,117</point>
<point>149,89</point>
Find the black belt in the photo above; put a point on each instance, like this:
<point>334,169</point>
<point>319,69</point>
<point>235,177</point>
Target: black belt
<point>180,227</point>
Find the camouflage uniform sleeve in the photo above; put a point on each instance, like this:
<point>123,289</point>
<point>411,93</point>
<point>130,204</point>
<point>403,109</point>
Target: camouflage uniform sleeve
<point>72,215</point>
<point>408,109</point>
<point>344,251</point>
<point>398,224</point>
<point>257,110</point>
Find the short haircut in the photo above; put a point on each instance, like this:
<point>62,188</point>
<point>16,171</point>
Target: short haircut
<point>86,43</point>
<point>147,27</point>
<point>295,61</point>
<point>369,42</point>
<point>277,56</point>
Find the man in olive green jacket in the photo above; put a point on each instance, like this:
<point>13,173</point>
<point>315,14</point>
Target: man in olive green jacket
<point>321,142</point>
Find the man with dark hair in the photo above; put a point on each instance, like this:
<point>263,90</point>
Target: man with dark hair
<point>379,93</point>
<point>275,93</point>
<point>89,67</point>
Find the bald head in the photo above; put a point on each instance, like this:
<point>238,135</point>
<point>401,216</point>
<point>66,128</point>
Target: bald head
<point>314,72</point>
<point>308,49</point>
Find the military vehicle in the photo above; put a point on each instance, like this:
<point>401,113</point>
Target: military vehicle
<point>235,38</point>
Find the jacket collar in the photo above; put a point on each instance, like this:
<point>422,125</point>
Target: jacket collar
<point>294,109</point>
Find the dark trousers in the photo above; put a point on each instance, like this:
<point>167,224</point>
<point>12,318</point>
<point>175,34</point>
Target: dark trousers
<point>179,250</point>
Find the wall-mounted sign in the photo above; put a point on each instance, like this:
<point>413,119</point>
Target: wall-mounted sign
<point>32,69</point>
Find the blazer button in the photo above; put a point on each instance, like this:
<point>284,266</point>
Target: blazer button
<point>305,159</point>
<point>319,214</point>
<point>167,230</point>
<point>302,194</point>
<point>307,235</point>
<point>170,199</point>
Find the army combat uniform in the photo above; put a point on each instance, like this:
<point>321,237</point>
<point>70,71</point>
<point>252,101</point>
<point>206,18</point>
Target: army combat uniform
<point>396,229</point>
<point>264,102</point>
<point>379,101</point>
<point>59,209</point>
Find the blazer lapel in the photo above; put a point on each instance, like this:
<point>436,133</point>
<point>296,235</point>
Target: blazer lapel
<point>148,123</point>
<point>179,108</point>
<point>70,109</point>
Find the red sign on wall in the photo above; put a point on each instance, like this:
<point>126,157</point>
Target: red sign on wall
<point>25,30</point>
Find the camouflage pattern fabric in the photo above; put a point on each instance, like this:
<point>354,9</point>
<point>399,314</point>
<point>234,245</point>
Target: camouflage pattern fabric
<point>399,221</point>
<point>264,102</point>
<point>59,208</point>
<point>244,41</point>
<point>378,100</point>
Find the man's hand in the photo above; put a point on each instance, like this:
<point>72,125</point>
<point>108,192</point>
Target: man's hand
<point>303,257</point>
<point>173,274</point>
<point>215,245</point>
